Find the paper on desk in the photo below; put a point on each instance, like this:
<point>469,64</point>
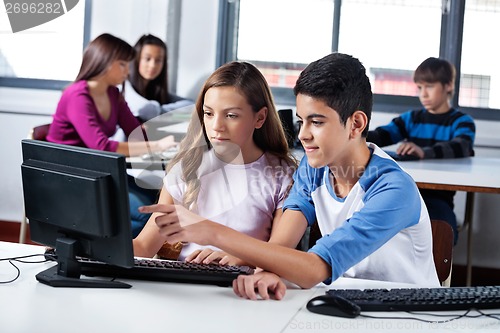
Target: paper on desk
<point>149,179</point>
<point>180,128</point>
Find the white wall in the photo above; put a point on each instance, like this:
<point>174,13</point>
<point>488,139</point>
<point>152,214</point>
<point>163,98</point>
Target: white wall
<point>21,109</point>
<point>16,125</point>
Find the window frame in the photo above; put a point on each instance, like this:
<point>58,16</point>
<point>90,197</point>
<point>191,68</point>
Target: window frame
<point>452,23</point>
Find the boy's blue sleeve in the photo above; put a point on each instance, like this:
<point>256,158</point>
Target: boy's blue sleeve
<point>384,214</point>
<point>305,181</point>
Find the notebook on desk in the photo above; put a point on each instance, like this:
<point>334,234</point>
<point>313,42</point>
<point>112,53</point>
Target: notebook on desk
<point>162,156</point>
<point>150,161</point>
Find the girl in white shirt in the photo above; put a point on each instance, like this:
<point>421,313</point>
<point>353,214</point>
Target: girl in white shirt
<point>146,91</point>
<point>234,166</point>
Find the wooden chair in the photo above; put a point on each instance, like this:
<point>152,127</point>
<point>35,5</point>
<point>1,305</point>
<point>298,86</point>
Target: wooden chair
<point>442,247</point>
<point>37,133</point>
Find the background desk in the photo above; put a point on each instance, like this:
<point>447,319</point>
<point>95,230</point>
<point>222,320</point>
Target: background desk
<point>471,174</point>
<point>31,307</point>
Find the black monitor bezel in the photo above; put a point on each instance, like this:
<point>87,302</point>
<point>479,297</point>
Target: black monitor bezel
<point>114,247</point>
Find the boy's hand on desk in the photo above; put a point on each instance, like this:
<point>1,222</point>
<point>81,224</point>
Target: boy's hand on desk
<point>249,286</point>
<point>177,223</point>
<point>410,148</point>
<point>207,256</point>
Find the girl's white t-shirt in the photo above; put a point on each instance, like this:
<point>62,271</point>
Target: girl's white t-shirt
<point>241,196</point>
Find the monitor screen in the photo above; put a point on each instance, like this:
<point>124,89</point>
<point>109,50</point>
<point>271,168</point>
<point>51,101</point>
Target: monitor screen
<point>76,201</point>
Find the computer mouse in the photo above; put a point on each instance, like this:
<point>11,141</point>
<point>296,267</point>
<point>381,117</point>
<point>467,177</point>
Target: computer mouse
<point>333,306</point>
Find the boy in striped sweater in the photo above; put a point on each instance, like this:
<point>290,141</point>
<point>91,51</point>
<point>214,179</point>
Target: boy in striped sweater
<point>435,131</point>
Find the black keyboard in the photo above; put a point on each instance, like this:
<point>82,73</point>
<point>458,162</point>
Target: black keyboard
<point>398,157</point>
<point>422,299</point>
<point>163,270</point>
<point>168,271</point>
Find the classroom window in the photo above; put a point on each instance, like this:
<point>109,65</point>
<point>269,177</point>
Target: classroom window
<point>303,32</point>
<point>390,37</point>
<point>380,33</point>
<point>282,39</point>
<point>480,71</point>
<point>48,52</point>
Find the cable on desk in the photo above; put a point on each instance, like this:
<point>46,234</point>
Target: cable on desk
<point>19,259</point>
<point>495,316</point>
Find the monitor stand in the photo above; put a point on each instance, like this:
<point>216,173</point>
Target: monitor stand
<point>67,271</point>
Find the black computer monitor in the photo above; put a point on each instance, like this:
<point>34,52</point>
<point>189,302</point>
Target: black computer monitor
<point>76,201</point>
<point>286,117</point>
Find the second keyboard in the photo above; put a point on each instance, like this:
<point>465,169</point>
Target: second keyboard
<point>423,299</point>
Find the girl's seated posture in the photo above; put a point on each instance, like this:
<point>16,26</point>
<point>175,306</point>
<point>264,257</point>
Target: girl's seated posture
<point>92,107</point>
<point>233,167</point>
<point>146,90</point>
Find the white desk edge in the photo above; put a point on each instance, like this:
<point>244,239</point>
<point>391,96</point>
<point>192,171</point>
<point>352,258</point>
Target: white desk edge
<point>29,306</point>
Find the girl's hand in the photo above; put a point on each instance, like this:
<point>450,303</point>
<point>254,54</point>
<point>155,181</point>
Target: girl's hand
<point>249,286</point>
<point>207,256</point>
<point>410,148</point>
<point>166,143</point>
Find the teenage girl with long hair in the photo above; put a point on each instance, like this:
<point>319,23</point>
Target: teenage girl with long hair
<point>147,90</point>
<point>233,167</point>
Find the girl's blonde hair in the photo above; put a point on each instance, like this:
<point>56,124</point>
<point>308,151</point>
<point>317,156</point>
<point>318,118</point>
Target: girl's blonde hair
<point>250,82</point>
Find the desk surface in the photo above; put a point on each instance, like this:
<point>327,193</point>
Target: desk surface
<point>470,174</point>
<point>29,306</point>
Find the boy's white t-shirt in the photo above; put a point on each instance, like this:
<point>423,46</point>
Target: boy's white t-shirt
<point>380,231</point>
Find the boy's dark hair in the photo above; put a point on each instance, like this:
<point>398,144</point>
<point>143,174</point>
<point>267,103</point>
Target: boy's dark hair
<point>435,70</point>
<point>340,81</point>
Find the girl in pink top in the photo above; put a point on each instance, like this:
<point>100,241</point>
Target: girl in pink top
<point>92,108</point>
